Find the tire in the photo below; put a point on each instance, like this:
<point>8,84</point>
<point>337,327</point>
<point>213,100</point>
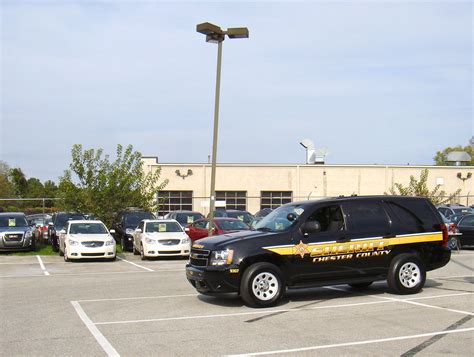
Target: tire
<point>142,252</point>
<point>33,244</point>
<point>361,286</point>
<point>406,274</point>
<point>61,253</point>
<point>454,243</point>
<point>123,244</point>
<point>262,285</point>
<point>135,251</point>
<point>66,259</point>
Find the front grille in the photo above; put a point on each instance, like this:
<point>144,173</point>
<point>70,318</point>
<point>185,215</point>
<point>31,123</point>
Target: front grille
<point>169,241</point>
<point>13,237</point>
<point>93,244</point>
<point>199,257</point>
<point>169,251</point>
<point>92,254</point>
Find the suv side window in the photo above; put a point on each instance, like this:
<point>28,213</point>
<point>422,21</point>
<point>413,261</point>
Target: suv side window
<point>367,217</point>
<point>330,218</point>
<point>406,218</point>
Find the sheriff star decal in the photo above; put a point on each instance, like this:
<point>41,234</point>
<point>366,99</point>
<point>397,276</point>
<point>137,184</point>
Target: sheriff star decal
<point>301,249</point>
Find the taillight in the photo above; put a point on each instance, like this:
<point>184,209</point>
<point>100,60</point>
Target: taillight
<point>444,229</point>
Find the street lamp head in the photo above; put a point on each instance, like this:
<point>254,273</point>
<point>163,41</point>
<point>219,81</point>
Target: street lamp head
<point>215,34</point>
<point>238,32</point>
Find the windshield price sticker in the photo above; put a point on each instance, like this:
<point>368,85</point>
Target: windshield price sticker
<point>279,226</point>
<point>11,222</point>
<point>240,217</point>
<point>190,219</point>
<point>162,227</point>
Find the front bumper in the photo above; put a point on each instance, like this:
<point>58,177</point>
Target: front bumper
<point>159,250</point>
<point>10,246</point>
<point>213,281</point>
<point>81,252</point>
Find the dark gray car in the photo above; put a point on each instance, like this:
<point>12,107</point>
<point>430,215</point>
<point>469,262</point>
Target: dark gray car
<point>15,233</point>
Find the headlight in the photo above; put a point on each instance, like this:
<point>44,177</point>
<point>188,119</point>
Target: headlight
<point>185,241</point>
<point>110,242</point>
<point>222,257</point>
<point>150,241</point>
<point>73,243</point>
<point>28,234</point>
<point>129,231</point>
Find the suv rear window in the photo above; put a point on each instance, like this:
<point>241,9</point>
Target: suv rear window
<point>422,210</point>
<point>367,217</point>
<point>406,218</point>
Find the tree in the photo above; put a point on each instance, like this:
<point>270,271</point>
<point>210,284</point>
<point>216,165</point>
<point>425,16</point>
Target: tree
<point>102,187</point>
<point>6,188</point>
<point>420,188</point>
<point>440,158</point>
<point>18,179</point>
<point>34,188</point>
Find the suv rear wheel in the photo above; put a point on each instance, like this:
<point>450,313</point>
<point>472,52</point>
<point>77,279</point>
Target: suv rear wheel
<point>406,274</point>
<point>262,285</point>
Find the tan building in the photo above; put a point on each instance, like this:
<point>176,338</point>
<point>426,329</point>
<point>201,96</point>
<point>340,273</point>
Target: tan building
<point>255,186</point>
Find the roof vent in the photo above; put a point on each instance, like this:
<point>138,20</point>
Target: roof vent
<point>458,157</point>
<point>313,156</point>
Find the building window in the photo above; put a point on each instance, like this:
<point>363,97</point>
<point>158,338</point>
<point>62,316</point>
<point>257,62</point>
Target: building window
<point>274,199</point>
<point>233,199</point>
<point>174,201</point>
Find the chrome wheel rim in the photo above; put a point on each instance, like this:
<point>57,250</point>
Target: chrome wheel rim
<point>265,286</point>
<point>410,275</point>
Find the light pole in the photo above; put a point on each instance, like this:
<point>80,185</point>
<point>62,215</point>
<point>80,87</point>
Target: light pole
<point>214,34</point>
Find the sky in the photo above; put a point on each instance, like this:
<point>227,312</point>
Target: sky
<point>375,82</point>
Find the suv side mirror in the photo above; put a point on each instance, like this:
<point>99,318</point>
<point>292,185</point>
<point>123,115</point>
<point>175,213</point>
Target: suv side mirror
<point>311,227</point>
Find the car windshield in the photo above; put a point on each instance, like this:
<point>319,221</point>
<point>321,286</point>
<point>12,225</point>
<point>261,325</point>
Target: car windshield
<point>463,210</point>
<point>63,218</point>
<point>243,216</point>
<point>188,218</point>
<point>231,225</point>
<point>132,219</point>
<point>87,228</point>
<point>163,227</point>
<point>13,221</point>
<point>277,220</point>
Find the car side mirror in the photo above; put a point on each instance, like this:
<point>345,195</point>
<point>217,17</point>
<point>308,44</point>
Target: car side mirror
<point>112,231</point>
<point>311,227</point>
<point>62,231</point>
<point>50,224</point>
<point>138,230</point>
<point>186,229</point>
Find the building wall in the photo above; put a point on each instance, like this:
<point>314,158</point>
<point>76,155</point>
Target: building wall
<point>306,181</point>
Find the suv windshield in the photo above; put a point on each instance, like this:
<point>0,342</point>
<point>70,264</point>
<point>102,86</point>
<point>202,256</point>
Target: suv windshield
<point>132,219</point>
<point>163,227</point>
<point>63,218</point>
<point>277,220</point>
<point>87,228</point>
<point>13,221</point>
<point>188,218</point>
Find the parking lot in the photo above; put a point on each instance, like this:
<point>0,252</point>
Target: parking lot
<point>133,307</point>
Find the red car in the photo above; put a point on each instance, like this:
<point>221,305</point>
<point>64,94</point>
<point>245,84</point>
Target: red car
<point>200,228</point>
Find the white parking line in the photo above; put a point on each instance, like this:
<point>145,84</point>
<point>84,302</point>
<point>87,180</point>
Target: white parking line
<point>106,346</point>
<point>139,298</point>
<point>271,311</point>
<point>43,268</point>
<point>356,343</point>
<point>140,266</point>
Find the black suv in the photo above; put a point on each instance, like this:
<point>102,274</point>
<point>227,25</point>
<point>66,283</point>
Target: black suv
<point>125,223</point>
<point>345,240</point>
<point>58,222</point>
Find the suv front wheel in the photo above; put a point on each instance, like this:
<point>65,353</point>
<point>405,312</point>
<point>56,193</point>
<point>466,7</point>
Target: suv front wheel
<point>406,275</point>
<point>262,285</point>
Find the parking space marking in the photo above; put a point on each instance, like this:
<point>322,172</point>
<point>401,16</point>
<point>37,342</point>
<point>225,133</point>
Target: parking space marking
<point>356,343</point>
<point>139,266</point>
<point>103,342</point>
<point>139,298</point>
<point>43,268</point>
<point>272,311</point>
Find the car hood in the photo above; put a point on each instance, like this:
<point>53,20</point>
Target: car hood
<point>165,235</point>
<point>230,238</point>
<point>14,229</point>
<point>89,237</point>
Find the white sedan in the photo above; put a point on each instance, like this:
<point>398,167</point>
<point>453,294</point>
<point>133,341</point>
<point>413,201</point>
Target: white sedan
<point>160,237</point>
<point>86,239</point>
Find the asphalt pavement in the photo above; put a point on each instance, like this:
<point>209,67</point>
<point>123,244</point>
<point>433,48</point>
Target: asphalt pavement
<point>131,307</point>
